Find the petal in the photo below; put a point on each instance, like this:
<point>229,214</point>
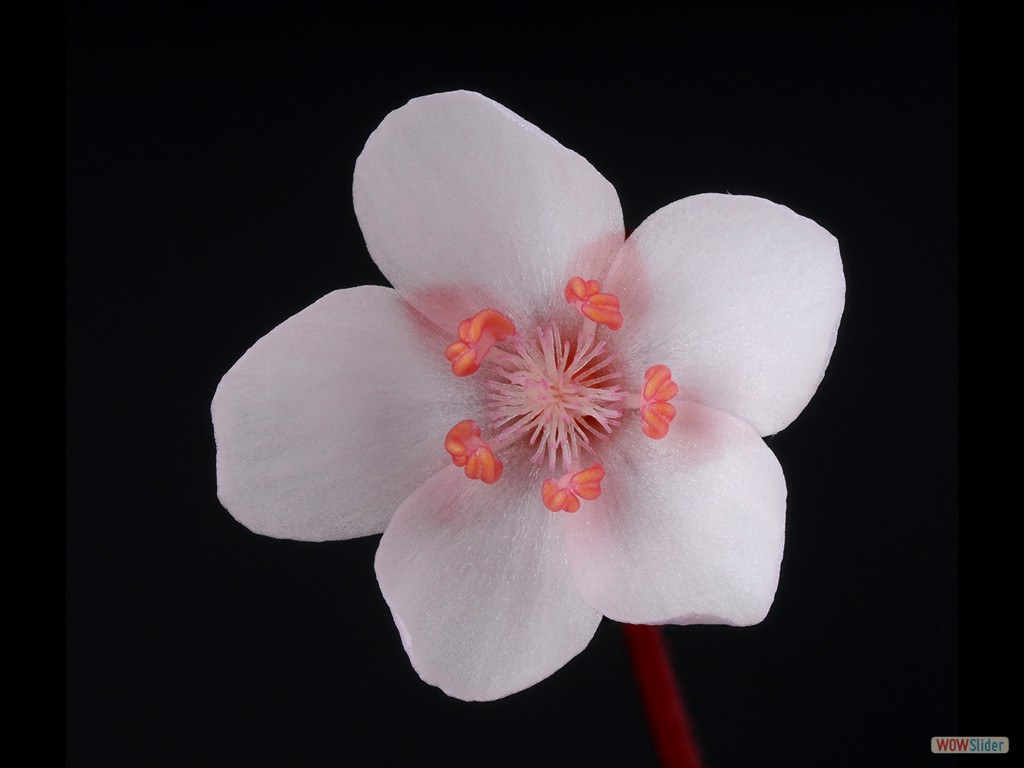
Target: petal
<point>465,205</point>
<point>329,421</point>
<point>689,529</point>
<point>477,579</point>
<point>740,297</point>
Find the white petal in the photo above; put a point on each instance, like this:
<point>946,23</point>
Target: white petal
<point>477,579</point>
<point>329,421</point>
<point>740,297</point>
<point>465,205</point>
<point>688,529</point>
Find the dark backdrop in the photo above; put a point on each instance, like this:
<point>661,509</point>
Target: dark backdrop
<point>209,166</point>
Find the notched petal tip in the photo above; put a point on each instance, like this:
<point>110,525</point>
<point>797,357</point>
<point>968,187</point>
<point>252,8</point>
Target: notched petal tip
<point>480,587</point>
<point>745,295</point>
<point>307,442</point>
<point>701,537</point>
<point>435,214</point>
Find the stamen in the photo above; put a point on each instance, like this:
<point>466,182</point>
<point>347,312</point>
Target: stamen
<point>477,335</point>
<point>565,493</point>
<point>469,450</point>
<point>586,296</point>
<point>558,394</point>
<point>554,392</point>
<point>655,410</point>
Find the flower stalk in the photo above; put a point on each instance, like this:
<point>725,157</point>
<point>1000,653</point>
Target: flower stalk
<point>663,701</point>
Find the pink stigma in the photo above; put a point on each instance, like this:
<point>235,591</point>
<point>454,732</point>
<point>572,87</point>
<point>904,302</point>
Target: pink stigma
<point>602,308</point>
<point>564,494</point>
<point>477,335</point>
<point>655,410</point>
<point>469,450</point>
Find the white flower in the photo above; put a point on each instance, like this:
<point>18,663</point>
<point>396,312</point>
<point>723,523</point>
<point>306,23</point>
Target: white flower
<point>629,380</point>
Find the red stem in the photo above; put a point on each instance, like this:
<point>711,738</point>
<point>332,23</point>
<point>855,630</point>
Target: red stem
<point>666,715</point>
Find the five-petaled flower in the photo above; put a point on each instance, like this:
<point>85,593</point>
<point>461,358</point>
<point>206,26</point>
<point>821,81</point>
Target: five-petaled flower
<point>548,421</point>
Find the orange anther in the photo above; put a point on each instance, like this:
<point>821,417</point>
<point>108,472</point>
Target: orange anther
<point>655,410</point>
<point>564,494</point>
<point>586,296</point>
<point>469,450</point>
<point>477,335</point>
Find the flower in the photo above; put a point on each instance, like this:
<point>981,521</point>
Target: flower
<point>549,422</point>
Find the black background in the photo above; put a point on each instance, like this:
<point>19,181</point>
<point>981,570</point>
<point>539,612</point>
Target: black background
<point>209,164</point>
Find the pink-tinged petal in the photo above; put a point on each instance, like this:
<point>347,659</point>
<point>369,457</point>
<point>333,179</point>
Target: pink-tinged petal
<point>740,297</point>
<point>329,421</point>
<point>477,579</point>
<point>689,529</point>
<point>465,205</point>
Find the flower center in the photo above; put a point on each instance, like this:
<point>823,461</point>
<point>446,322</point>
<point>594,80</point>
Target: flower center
<point>559,391</point>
